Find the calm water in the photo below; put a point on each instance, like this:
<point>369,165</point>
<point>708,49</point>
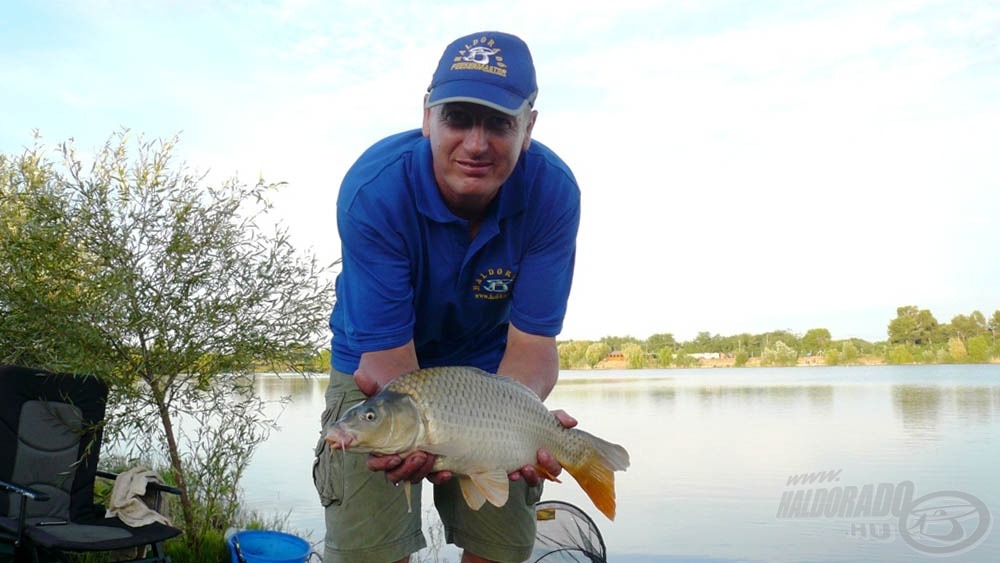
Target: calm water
<point>714,453</point>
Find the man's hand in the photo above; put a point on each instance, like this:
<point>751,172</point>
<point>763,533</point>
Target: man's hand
<point>546,461</point>
<point>413,468</point>
<point>366,382</point>
<point>376,369</point>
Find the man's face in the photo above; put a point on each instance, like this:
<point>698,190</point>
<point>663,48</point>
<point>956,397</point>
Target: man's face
<point>475,149</point>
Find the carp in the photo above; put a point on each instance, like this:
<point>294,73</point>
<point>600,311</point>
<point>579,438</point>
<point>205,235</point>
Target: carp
<point>481,427</point>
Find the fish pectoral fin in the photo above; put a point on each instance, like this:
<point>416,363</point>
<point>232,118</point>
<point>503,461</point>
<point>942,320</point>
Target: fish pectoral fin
<point>442,450</point>
<point>493,485</point>
<point>446,450</point>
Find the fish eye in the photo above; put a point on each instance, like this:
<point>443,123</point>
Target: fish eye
<point>369,414</point>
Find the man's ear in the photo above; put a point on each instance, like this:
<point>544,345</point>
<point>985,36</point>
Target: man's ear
<point>527,130</point>
<point>426,127</point>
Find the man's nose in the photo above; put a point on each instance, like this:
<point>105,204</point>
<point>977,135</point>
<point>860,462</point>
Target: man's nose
<point>475,138</point>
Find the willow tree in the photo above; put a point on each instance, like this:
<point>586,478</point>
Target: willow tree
<point>172,288</point>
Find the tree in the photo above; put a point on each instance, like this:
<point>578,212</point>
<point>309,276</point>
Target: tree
<point>783,336</point>
<point>740,358</point>
<point>848,353</point>
<point>899,354</point>
<point>994,323</point>
<point>703,342</point>
<point>619,342</point>
<point>912,326</point>
<point>661,340</point>
<point>831,357</point>
<point>957,353</point>
<point>683,360</point>
<point>135,269</point>
<point>665,356</point>
<point>597,352</point>
<point>635,356</point>
<point>780,355</point>
<point>979,349</point>
<point>740,343</point>
<point>573,354</point>
<point>815,341</point>
<point>966,327</point>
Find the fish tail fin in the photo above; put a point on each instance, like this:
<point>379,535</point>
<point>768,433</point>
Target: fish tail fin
<point>594,471</point>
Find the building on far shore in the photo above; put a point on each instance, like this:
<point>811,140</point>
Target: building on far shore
<point>706,355</point>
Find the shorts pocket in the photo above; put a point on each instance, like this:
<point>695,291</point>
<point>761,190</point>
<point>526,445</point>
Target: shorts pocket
<point>327,466</point>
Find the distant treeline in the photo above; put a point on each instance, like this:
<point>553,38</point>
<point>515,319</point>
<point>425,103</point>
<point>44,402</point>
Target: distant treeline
<point>914,336</point>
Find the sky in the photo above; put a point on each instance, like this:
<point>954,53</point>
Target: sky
<point>745,166</point>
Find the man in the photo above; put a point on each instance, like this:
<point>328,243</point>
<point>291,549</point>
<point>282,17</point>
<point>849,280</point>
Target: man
<point>458,244</point>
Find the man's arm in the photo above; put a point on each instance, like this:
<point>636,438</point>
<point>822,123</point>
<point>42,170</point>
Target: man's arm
<point>534,361</point>
<point>376,369</point>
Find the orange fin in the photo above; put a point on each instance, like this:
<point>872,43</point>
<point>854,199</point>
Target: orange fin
<point>545,473</point>
<point>595,472</point>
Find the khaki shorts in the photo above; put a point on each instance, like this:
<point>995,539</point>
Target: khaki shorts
<point>367,518</point>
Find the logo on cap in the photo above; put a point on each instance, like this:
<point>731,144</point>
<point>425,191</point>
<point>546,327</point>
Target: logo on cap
<point>490,68</point>
<point>481,55</point>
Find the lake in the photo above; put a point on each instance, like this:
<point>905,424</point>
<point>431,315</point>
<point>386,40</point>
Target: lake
<point>877,463</point>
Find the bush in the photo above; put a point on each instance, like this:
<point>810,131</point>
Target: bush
<point>899,355</point>
<point>979,349</point>
<point>740,358</point>
<point>167,288</point>
<point>780,355</point>
<point>832,357</point>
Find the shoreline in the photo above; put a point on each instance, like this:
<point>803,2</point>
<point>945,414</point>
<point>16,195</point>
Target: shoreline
<point>810,361</point>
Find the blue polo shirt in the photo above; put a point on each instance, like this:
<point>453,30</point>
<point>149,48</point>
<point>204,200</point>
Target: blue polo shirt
<point>410,271</point>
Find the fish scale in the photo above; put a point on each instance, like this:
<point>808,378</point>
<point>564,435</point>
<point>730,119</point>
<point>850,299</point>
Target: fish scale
<point>502,432</point>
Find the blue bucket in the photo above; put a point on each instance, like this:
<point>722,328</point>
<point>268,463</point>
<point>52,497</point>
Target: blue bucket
<point>265,546</point>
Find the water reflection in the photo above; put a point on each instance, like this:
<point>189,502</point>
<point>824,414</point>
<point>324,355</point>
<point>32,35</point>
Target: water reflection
<point>975,405</point>
<point>628,393</point>
<point>922,408</point>
<point>917,406</point>
<point>271,387</point>
<point>298,386</point>
<point>817,396</point>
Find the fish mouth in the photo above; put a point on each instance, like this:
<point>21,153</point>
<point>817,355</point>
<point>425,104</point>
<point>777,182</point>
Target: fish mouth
<point>339,438</point>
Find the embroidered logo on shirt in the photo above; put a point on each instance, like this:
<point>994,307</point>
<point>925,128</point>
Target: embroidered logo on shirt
<point>494,284</point>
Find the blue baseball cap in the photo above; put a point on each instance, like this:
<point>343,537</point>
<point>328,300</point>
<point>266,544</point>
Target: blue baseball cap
<point>489,68</point>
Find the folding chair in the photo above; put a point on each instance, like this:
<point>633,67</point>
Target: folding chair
<point>50,441</point>
<point>566,533</point>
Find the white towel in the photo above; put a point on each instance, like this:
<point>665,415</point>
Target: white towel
<point>130,501</point>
